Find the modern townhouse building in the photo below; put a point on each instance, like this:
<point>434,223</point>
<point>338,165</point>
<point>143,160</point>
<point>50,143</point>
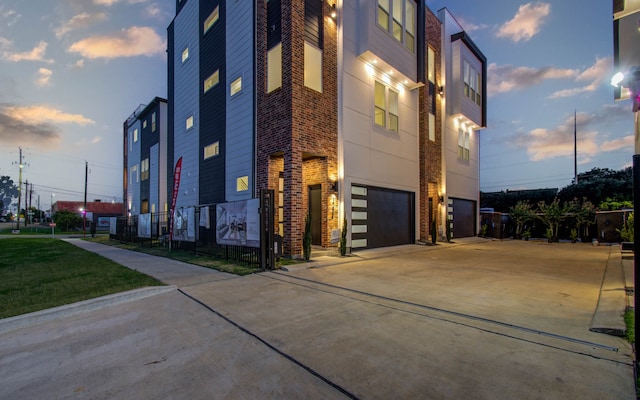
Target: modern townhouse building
<point>465,89</point>
<point>340,107</point>
<point>145,159</point>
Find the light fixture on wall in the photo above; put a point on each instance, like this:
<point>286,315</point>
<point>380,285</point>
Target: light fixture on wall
<point>334,187</point>
<point>441,90</point>
<point>334,13</point>
<point>441,199</point>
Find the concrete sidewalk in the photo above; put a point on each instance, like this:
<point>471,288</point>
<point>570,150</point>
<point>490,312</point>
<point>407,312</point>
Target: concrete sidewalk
<point>474,320</point>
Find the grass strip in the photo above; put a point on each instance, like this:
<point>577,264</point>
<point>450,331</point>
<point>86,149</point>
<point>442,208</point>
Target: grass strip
<point>184,256</point>
<point>37,274</point>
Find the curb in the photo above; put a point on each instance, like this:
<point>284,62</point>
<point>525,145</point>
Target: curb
<point>81,307</point>
<point>612,301</point>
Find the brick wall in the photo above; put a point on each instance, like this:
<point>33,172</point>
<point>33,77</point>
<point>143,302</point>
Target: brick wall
<point>297,123</point>
<point>430,151</point>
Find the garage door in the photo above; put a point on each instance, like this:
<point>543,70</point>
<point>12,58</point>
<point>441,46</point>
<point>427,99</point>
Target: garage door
<point>381,217</point>
<point>464,217</point>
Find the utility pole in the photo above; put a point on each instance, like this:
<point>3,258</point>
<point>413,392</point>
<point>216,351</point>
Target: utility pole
<point>575,147</point>
<point>29,212</point>
<point>26,203</point>
<point>84,209</point>
<point>19,188</point>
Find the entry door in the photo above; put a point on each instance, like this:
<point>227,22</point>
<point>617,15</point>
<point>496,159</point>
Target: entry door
<point>315,206</point>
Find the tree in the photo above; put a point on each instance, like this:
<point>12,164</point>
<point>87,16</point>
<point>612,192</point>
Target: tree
<point>552,215</point>
<point>601,184</point>
<point>67,220</point>
<point>8,192</point>
<point>521,213</point>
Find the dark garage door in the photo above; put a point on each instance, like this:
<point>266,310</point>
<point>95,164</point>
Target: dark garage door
<point>464,218</point>
<point>390,217</point>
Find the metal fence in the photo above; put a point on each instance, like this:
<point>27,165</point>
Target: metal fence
<point>204,243</point>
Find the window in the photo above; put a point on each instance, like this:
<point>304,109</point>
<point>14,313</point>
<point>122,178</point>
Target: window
<point>236,86</point>
<point>432,127</point>
<point>380,112</point>
<point>135,135</point>
<point>274,68</point>
<point>386,107</point>
<point>312,67</point>
<point>144,124</point>
<point>211,19</point>
<point>409,25</point>
<point>463,144</point>
<point>189,122</point>
<point>211,81</point>
<point>211,150</point>
<point>242,184</point>
<point>431,65</point>
<point>383,14</point>
<point>393,110</point>
<point>134,174</point>
<point>153,122</point>
<point>185,54</point>
<point>144,169</point>
<point>398,17</point>
<point>472,84</point>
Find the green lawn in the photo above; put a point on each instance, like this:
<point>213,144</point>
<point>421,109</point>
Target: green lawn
<point>36,274</point>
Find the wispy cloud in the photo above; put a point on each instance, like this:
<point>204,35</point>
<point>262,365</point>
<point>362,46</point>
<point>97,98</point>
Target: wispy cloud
<point>506,78</point>
<point>44,114</point>
<point>12,16</point>
<point>78,21</point>
<point>594,76</point>
<point>469,26</point>
<point>625,142</point>
<point>43,77</point>
<point>526,23</point>
<point>132,42</point>
<point>35,54</point>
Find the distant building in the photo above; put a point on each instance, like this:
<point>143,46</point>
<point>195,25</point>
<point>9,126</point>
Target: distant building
<point>98,212</point>
<point>145,159</point>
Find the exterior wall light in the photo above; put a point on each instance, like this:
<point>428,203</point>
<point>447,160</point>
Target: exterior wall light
<point>334,13</point>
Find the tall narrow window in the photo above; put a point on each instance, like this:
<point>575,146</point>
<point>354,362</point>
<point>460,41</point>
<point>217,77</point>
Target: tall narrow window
<point>431,65</point>
<point>312,67</point>
<point>144,169</point>
<point>461,143</point>
<point>135,135</point>
<point>274,68</point>
<point>189,122</point>
<point>409,25</point>
<point>393,110</point>
<point>211,19</point>
<point>153,122</point>
<point>432,127</point>
<point>383,14</point>
<point>396,28</point>
<point>380,113</point>
<point>472,84</point>
<point>211,81</point>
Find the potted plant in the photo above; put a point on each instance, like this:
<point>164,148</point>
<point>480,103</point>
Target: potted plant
<point>343,239</point>
<point>549,235</point>
<point>526,234</point>
<point>307,238</point>
<point>574,235</point>
<point>552,214</point>
<point>520,214</point>
<point>483,230</point>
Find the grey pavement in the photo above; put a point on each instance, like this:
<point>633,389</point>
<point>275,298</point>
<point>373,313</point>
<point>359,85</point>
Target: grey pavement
<point>477,319</point>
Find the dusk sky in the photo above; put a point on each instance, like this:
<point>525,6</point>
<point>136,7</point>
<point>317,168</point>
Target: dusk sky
<point>71,71</point>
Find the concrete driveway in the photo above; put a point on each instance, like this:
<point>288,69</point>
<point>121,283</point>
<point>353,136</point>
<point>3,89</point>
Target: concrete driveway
<point>482,320</point>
